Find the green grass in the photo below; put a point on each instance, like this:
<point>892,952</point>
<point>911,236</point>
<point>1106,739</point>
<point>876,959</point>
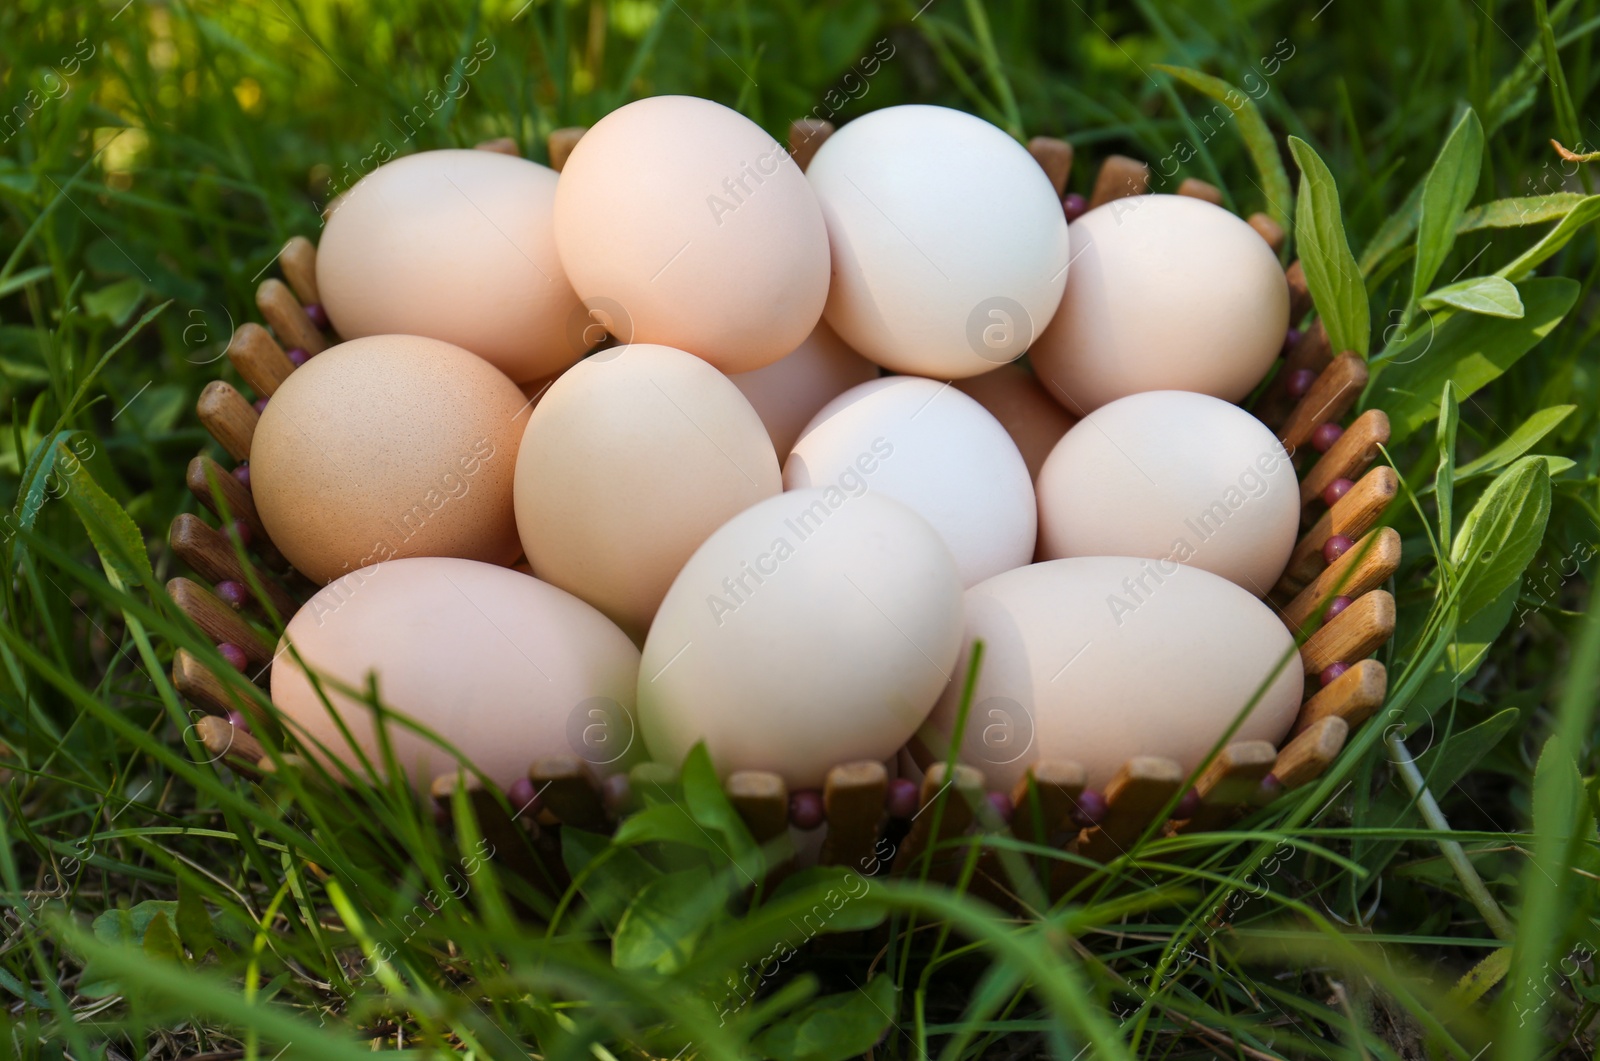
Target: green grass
<point>169,151</point>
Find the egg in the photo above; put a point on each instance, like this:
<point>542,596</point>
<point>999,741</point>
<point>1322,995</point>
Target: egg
<point>1177,476</point>
<point>932,448</point>
<point>688,226</point>
<point>949,243</point>
<point>814,628</point>
<point>787,393</point>
<point>630,460</point>
<point>1167,292</point>
<point>457,246</point>
<point>501,666</point>
<point>1099,659</point>
<point>385,447</point>
<point>1014,397</point>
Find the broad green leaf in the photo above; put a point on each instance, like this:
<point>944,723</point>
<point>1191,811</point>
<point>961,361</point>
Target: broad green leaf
<point>666,920</point>
<point>1444,479</point>
<point>160,941</point>
<point>709,807</point>
<point>120,927</point>
<point>619,873</point>
<point>1393,233</point>
<point>1258,139</point>
<point>834,1027</point>
<point>1331,274</point>
<point>1445,194</point>
<point>113,532</point>
<point>1519,442</point>
<point>668,823</point>
<point>1468,349</point>
<point>1525,210</point>
<point>1468,648</point>
<point>192,920</point>
<point>1500,535</point>
<point>1554,240</point>
<point>1491,296</point>
<point>117,302</point>
<point>840,899</point>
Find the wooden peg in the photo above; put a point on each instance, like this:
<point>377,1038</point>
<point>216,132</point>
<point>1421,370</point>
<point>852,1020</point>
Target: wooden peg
<point>231,500</point>
<point>500,145</point>
<point>1299,292</point>
<point>1305,757</point>
<point>1119,176</point>
<point>209,552</point>
<point>1134,797</point>
<point>230,419</point>
<point>958,792</point>
<point>1270,231</point>
<point>511,844</point>
<point>569,791</point>
<point>852,796</point>
<point>1348,457</point>
<point>220,622</point>
<point>1055,158</point>
<point>1367,565</point>
<point>258,359</point>
<point>1352,635</point>
<point>288,318</point>
<point>1313,351</point>
<point>298,262</point>
<point>198,684</point>
<point>1194,188</point>
<point>805,136</point>
<point>1044,798</point>
<point>1352,516</point>
<point>1353,696</point>
<point>1229,783</point>
<point>1329,398</point>
<point>561,143</point>
<point>224,740</point>
<point>762,800</point>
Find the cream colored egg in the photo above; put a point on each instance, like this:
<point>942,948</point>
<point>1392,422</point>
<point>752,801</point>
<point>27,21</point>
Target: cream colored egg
<point>499,665</point>
<point>935,450</point>
<point>949,242</point>
<point>681,222</point>
<point>1014,397</point>
<point>386,447</point>
<point>812,629</point>
<point>1176,476</point>
<point>1167,292</point>
<point>458,246</point>
<point>630,460</point>
<point>788,392</point>
<point>1098,659</point>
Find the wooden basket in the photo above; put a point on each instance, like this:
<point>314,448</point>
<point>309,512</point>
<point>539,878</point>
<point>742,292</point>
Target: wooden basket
<point>859,805</point>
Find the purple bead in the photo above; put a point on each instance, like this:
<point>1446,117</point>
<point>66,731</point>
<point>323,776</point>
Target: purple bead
<point>261,405</point>
<point>805,809</point>
<point>1335,490</point>
<point>1336,547</point>
<point>1271,789</point>
<point>242,473</point>
<point>1075,206</point>
<point>1300,381</point>
<point>241,530</point>
<point>235,656</point>
<point>1325,436</point>
<point>297,356</point>
<point>234,594</point>
<point>1332,671</point>
<point>1091,807</point>
<point>1291,339</point>
<point>901,798</point>
<point>1187,805</point>
<point>238,722</point>
<point>1001,804</point>
<point>318,315</point>
<point>523,797</point>
<point>1337,605</point>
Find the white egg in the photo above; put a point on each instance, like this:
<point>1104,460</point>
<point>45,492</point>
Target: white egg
<point>1175,476</point>
<point>932,448</point>
<point>1167,292</point>
<point>949,243</point>
<point>814,628</point>
<point>1099,659</point>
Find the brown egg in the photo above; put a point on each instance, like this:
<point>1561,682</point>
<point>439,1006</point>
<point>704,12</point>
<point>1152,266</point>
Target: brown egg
<point>458,246</point>
<point>681,222</point>
<point>387,447</point>
<point>630,461</point>
<point>1030,416</point>
<point>788,392</point>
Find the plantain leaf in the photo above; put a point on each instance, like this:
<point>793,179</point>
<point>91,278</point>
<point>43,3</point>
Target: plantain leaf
<point>1558,237</point>
<point>666,921</point>
<point>1515,212</point>
<point>1518,442</point>
<point>834,1027</point>
<point>1491,296</point>
<point>1444,479</point>
<point>1445,194</point>
<point>113,532</point>
<point>1500,535</point>
<point>1258,139</point>
<point>1331,274</point>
